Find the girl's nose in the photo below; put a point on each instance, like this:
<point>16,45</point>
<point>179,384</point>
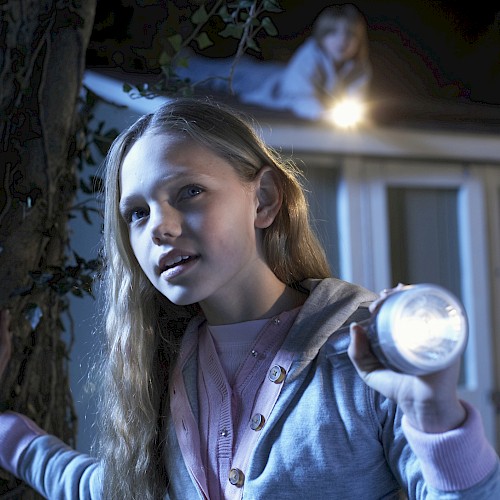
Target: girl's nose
<point>165,225</point>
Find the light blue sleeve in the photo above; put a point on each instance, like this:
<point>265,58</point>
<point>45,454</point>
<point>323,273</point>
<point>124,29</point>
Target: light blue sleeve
<point>302,83</point>
<point>488,488</point>
<point>58,472</point>
<point>407,465</point>
<point>295,86</point>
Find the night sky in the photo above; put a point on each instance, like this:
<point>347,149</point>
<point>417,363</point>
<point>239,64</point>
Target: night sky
<point>435,49</point>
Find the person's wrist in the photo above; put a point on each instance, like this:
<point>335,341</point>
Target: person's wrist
<point>432,418</point>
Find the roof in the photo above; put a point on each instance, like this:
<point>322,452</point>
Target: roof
<point>421,128</point>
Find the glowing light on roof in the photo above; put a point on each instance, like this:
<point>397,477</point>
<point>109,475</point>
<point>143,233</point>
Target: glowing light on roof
<point>347,113</point>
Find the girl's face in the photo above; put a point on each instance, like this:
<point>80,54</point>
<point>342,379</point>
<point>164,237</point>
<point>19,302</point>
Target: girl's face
<point>342,43</point>
<point>191,222</point>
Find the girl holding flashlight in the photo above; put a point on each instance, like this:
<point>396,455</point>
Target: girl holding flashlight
<point>330,67</point>
<point>329,71</point>
<point>235,366</point>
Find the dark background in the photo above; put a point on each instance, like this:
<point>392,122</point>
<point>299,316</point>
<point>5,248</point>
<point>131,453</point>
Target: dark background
<point>422,51</point>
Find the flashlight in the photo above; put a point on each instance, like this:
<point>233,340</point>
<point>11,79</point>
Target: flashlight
<point>347,113</point>
<point>418,329</point>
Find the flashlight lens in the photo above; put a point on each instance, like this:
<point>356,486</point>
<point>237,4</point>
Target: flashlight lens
<point>347,113</point>
<point>423,328</point>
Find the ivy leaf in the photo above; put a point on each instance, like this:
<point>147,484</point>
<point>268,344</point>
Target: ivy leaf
<point>103,141</point>
<point>79,260</point>
<point>83,186</point>
<point>253,45</point>
<point>200,16</point>
<point>86,216</point>
<point>232,30</point>
<point>224,14</point>
<point>164,59</point>
<point>89,159</point>
<point>203,41</point>
<point>86,211</point>
<point>272,6</point>
<point>269,26</point>
<point>176,42</point>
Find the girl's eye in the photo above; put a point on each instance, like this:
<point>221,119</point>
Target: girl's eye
<point>191,191</point>
<point>136,214</point>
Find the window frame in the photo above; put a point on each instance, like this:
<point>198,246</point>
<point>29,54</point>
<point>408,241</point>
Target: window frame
<point>365,248</point>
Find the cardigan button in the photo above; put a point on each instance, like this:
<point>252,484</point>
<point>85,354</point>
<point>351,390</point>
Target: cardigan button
<point>277,374</point>
<point>236,477</point>
<point>257,422</point>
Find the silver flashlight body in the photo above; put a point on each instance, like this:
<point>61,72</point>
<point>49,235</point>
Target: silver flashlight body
<point>419,329</point>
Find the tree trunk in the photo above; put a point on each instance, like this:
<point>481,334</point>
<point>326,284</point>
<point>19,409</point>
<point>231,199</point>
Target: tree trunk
<point>42,57</point>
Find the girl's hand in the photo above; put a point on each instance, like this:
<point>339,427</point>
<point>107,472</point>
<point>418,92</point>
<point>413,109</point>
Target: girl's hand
<point>5,341</point>
<point>430,402</point>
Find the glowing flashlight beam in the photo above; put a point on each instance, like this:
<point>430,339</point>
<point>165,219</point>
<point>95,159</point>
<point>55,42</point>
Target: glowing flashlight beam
<point>347,113</point>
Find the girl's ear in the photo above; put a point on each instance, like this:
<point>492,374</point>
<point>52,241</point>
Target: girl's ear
<point>268,196</point>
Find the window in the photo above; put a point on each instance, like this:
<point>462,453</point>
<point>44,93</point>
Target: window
<point>413,222</point>
<point>423,231</point>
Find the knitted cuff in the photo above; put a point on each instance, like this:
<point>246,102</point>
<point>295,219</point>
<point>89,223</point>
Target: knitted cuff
<point>457,459</point>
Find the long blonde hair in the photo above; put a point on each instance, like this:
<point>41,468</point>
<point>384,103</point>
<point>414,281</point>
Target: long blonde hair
<point>327,21</point>
<point>143,328</point>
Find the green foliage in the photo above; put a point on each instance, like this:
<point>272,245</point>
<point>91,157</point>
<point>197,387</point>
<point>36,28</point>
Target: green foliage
<point>199,26</point>
<point>203,41</point>
<point>269,27</point>
<point>200,16</point>
<point>76,278</point>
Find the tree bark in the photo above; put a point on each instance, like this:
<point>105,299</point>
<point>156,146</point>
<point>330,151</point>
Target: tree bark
<point>42,58</point>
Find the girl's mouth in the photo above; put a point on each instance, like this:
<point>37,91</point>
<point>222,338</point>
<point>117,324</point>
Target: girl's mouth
<point>177,266</point>
<point>181,259</point>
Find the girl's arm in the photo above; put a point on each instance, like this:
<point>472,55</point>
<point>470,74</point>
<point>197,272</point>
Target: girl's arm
<point>302,82</point>
<point>58,472</point>
<point>42,461</point>
<point>16,431</point>
<point>16,434</point>
<point>445,433</point>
